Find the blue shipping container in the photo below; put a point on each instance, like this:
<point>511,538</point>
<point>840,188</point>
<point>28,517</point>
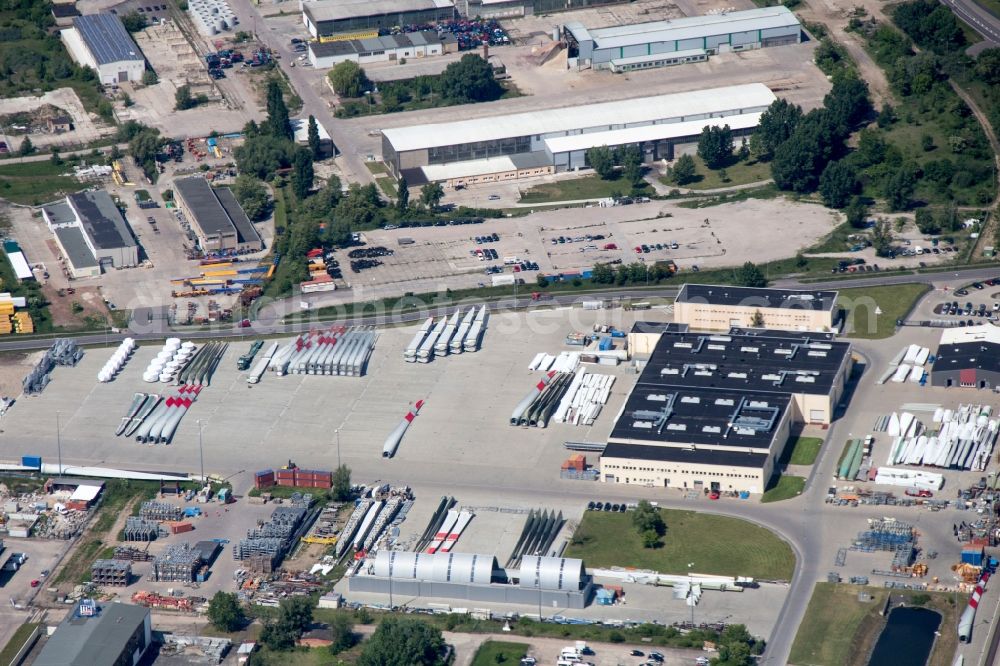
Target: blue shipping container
<point>31,461</point>
<point>605,344</point>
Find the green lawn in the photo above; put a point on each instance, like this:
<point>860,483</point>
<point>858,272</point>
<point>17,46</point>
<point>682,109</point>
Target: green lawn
<point>376,168</point>
<point>871,312</point>
<point>739,173</point>
<point>492,653</point>
<point>840,630</point>
<point>16,642</point>
<point>610,539</point>
<point>388,186</point>
<point>786,487</point>
<point>35,183</point>
<point>587,187</point>
<point>805,450</point>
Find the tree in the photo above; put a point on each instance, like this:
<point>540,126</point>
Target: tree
<point>278,636</point>
<point>278,124</point>
<point>262,155</point>
<point>757,319</point>
<point>631,159</point>
<point>777,124</point>
<point>948,220</point>
<point>837,183</point>
<point>715,146</point>
<point>314,144</point>
<point>252,196</point>
<point>403,641</point>
<point>348,79</point>
<point>926,223</point>
<point>431,194</point>
<point>469,80</point>
<point>225,612</point>
<point>149,78</point>
<point>988,66</point>
<point>341,634</point>
<point>56,159</point>
<point>887,116</point>
<point>183,99</point>
<point>341,488</point>
<point>748,275</point>
<point>882,237</point>
<point>602,161</point>
<point>683,171</point>
<point>297,613</point>
<point>647,518</point>
<point>857,213</point>
<point>899,188</point>
<point>848,102</point>
<point>302,173</point>
<point>134,21</point>
<point>403,195</point>
<point>541,281</point>
<point>650,539</point>
<point>27,148</point>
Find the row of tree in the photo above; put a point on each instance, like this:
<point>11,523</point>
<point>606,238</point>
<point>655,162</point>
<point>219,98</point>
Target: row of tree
<point>605,162</point>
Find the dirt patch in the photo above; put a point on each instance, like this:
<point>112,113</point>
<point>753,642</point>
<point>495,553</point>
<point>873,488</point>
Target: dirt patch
<point>65,101</point>
<point>13,367</point>
<point>31,122</point>
<point>90,306</point>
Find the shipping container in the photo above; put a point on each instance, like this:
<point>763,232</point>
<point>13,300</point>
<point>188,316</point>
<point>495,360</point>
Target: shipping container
<point>31,461</point>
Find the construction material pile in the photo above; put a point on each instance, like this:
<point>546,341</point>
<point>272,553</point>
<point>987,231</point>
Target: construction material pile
<point>450,335</point>
<point>161,424</point>
<point>117,361</point>
<point>141,529</point>
<point>268,543</point>
<point>169,361</point>
<point>964,440</point>
<point>62,352</point>
<point>337,351</point>
<point>885,534</point>
<point>178,563</point>
<point>153,510</point>
<point>154,600</point>
<point>565,397</point>
<point>117,573</point>
<point>908,365</point>
<point>563,362</point>
<point>539,533</point>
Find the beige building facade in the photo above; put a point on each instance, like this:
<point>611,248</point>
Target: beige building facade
<point>719,308</point>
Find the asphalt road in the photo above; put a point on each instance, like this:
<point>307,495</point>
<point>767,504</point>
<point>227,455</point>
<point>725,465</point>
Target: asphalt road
<point>981,19</point>
<point>350,161</point>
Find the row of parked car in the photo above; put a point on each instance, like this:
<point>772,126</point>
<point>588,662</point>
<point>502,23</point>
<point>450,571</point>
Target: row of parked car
<point>488,238</point>
<point>646,249</point>
<point>606,506</point>
<point>589,238</point>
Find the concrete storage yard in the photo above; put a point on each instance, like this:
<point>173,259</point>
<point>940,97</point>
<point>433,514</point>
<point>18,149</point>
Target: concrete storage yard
<point>246,428</point>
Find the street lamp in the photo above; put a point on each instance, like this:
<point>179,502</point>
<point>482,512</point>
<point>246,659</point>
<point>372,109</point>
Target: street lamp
<point>59,444</point>
<point>691,599</point>
<point>201,452</point>
<point>338,447</point>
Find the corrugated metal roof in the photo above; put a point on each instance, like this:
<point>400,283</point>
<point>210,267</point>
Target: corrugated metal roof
<point>692,27</point>
<point>628,111</point>
<point>551,573</point>
<point>336,10</point>
<point>20,265</point>
<point>73,242</point>
<point>106,38</point>
<point>102,220</point>
<point>100,639</point>
<point>204,205</point>
<point>565,144</point>
<point>245,231</point>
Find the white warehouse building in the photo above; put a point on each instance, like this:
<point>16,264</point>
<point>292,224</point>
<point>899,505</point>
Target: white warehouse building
<point>101,42</point>
<point>660,43</point>
<point>508,147</point>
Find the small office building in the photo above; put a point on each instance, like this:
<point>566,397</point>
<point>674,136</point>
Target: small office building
<point>355,19</point>
<point>110,634</point>
<point>217,218</point>
<point>387,48</point>
<point>101,42</point>
<point>626,48</point>
<point>719,308</point>
<point>968,358</point>
<point>92,234</point>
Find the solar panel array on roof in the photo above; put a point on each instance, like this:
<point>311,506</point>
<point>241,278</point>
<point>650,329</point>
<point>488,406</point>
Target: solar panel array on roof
<point>106,38</point>
<point>102,220</point>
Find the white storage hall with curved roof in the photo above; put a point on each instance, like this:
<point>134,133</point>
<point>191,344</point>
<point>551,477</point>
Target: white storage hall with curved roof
<point>553,581</point>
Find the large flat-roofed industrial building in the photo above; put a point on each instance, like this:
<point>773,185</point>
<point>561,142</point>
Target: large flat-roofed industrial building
<point>551,581</point>
<point>719,308</point>
<point>112,634</point>
<point>660,43</point>
<point>714,411</point>
<point>92,233</point>
<point>498,9</point>
<point>217,218</point>
<point>387,48</point>
<point>101,42</point>
<point>968,358</point>
<point>366,18</point>
<point>557,139</point>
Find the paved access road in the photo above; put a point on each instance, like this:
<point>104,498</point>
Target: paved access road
<point>350,162</point>
<point>981,19</point>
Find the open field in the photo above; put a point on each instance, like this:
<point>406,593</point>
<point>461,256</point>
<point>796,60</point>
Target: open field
<point>871,312</point>
<point>738,173</point>
<point>610,539</point>
<point>492,653</point>
<point>840,630</point>
<point>35,183</point>
<point>786,487</point>
<point>805,450</point>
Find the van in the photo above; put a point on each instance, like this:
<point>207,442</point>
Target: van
<point>510,261</point>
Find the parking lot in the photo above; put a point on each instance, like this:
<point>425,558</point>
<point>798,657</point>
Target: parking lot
<point>16,590</point>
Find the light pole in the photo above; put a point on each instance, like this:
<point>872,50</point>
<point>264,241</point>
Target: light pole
<point>691,599</point>
<point>338,447</point>
<point>59,444</point>
<point>201,452</point>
